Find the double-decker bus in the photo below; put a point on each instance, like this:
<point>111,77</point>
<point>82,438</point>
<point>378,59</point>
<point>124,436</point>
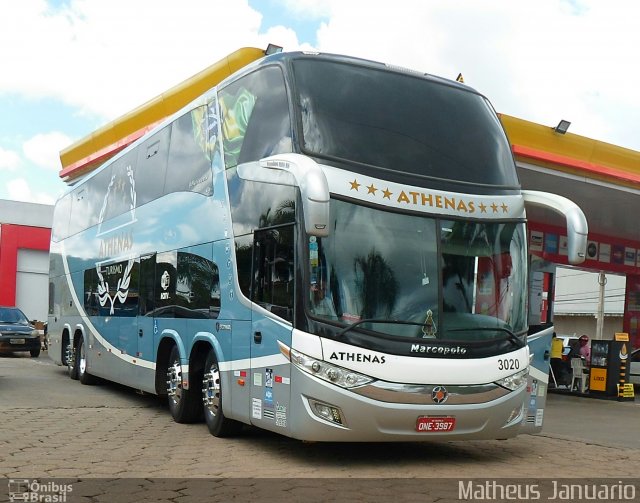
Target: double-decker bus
<point>325,247</point>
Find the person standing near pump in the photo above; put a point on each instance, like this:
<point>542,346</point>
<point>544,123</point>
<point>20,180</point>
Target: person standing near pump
<point>585,349</point>
<point>560,373</point>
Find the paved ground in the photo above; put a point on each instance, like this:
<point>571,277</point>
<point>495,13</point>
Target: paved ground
<point>51,426</point>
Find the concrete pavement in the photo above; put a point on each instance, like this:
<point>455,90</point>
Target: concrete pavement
<point>51,426</point>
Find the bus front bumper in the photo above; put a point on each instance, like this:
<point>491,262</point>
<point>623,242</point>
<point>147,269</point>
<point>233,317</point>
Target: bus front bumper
<point>325,412</point>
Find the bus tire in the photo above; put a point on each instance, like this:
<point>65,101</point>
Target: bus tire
<point>72,361</point>
<point>81,364</point>
<point>184,404</point>
<point>218,424</point>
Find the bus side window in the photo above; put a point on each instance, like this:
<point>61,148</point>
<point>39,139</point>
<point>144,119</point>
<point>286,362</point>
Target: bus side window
<point>91,304</point>
<point>120,193</point>
<point>244,253</point>
<point>189,167</point>
<point>146,304</point>
<point>152,166</point>
<point>255,117</point>
<point>273,271</point>
<point>61,215</point>
<point>198,286</point>
<point>166,276</point>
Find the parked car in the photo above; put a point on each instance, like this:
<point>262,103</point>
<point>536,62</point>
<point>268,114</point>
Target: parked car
<point>634,368</point>
<point>16,333</point>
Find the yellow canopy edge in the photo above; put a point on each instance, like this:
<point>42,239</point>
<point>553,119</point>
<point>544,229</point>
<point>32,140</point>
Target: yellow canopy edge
<point>109,139</point>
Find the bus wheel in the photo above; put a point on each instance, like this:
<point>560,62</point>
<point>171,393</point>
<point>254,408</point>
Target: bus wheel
<point>217,423</point>
<point>72,365</point>
<point>184,404</point>
<point>81,364</point>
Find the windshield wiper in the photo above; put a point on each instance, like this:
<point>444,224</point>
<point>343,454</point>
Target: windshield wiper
<point>371,320</point>
<point>510,335</point>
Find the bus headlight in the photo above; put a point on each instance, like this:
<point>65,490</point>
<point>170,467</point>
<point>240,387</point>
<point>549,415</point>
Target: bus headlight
<point>342,377</point>
<point>514,381</point>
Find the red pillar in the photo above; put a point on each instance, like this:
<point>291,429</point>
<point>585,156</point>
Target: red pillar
<point>12,238</point>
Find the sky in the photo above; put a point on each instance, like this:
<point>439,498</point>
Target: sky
<point>69,67</point>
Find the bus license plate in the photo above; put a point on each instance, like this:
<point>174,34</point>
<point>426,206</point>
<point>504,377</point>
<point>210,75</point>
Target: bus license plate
<point>427,424</point>
<point>16,341</point>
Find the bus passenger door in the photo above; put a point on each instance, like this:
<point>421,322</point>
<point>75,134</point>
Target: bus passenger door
<point>146,307</point>
<point>273,291</point>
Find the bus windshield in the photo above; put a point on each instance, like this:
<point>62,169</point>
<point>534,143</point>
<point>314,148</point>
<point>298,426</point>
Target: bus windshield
<point>396,122</point>
<point>452,280</point>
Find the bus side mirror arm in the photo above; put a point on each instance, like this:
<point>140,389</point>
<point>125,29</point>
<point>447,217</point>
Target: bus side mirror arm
<point>577,228</point>
<point>314,189</point>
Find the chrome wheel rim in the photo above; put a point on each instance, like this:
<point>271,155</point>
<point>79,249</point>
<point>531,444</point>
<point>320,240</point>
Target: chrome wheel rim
<point>174,381</point>
<point>82,363</point>
<point>211,391</point>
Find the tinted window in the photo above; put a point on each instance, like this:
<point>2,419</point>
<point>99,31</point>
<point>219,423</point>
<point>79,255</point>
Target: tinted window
<point>96,189</point>
<point>189,166</point>
<point>146,303</point>
<point>255,204</point>
<point>112,289</point>
<point>61,213</point>
<point>165,284</point>
<point>400,122</point>
<point>255,117</point>
<point>198,284</point>
<point>80,210</point>
<point>244,254</point>
<point>152,166</point>
<point>273,271</point>
<point>187,284</point>
<point>113,190</point>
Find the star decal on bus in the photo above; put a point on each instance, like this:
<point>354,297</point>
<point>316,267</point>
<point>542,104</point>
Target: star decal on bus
<point>372,189</point>
<point>494,207</point>
<point>355,185</point>
<point>504,207</point>
<point>386,193</point>
<point>483,208</point>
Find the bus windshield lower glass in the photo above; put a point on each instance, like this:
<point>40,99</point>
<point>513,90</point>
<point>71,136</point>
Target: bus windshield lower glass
<point>418,277</point>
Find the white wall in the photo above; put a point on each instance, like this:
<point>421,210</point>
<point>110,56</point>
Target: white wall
<point>32,283</point>
<point>576,292</point>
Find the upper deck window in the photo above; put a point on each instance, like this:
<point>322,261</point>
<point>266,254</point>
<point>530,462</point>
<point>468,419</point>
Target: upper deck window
<point>255,117</point>
<point>401,123</point>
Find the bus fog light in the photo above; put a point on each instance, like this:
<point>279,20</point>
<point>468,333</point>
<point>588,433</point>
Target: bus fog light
<point>327,412</point>
<point>515,414</point>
